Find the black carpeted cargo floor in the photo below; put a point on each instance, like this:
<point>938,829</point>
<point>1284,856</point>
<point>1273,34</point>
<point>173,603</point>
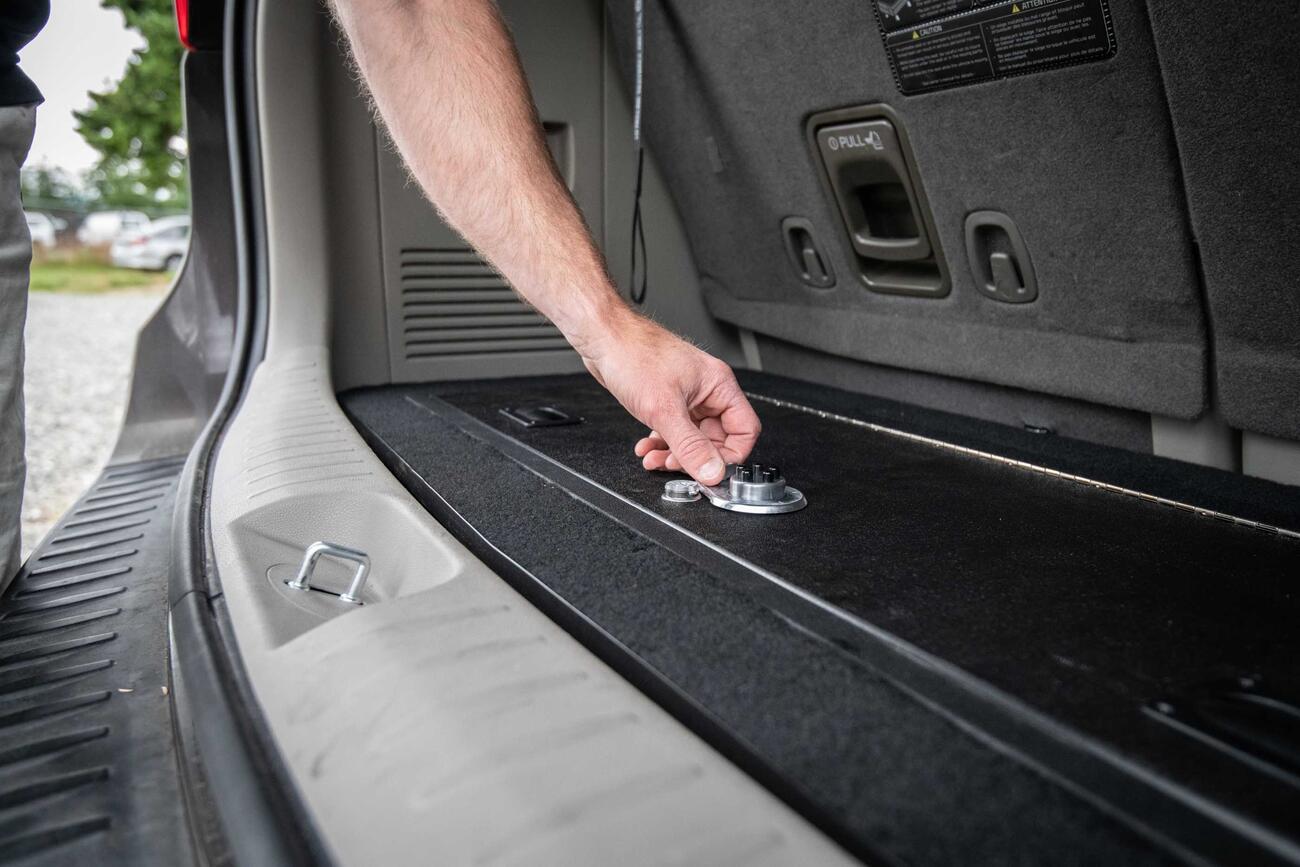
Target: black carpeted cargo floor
<point>922,587</point>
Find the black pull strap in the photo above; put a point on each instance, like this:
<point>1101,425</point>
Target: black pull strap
<point>637,290</point>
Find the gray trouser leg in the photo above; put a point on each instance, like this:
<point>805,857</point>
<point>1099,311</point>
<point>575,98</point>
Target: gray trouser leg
<point>17,123</point>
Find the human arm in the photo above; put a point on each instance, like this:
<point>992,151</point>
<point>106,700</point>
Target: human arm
<point>446,79</point>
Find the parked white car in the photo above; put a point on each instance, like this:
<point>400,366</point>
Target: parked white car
<point>42,229</point>
<point>161,247</point>
<point>104,227</point>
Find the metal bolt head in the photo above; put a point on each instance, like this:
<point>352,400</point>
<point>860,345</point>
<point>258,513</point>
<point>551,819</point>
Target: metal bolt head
<point>681,491</point>
<point>756,483</point>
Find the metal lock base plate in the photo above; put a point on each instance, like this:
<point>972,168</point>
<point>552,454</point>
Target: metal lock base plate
<point>791,501</point>
<point>753,489</point>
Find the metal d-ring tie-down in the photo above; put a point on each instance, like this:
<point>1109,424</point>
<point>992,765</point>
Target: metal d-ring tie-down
<point>327,549</point>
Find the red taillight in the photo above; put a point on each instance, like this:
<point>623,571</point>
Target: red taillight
<point>183,23</point>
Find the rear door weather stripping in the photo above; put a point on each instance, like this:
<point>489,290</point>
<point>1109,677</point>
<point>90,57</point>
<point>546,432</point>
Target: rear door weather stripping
<point>1024,465</point>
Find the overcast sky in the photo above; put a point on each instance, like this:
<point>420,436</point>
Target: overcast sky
<point>83,48</point>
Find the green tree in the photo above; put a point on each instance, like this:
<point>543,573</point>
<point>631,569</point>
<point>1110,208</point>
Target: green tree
<point>136,127</point>
<point>47,187</point>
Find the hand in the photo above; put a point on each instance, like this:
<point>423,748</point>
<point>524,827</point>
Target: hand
<point>699,418</point>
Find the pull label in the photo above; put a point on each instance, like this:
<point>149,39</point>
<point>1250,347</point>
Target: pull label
<point>869,140</point>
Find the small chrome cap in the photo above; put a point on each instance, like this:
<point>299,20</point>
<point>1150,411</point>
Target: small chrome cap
<point>681,491</point>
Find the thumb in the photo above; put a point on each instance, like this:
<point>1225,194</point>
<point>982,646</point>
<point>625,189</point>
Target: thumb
<point>690,445</point>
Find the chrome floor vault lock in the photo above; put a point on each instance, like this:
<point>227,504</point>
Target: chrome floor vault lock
<point>755,489</point>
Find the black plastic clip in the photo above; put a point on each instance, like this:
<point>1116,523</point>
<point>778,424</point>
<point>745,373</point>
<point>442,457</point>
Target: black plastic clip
<point>539,416</point>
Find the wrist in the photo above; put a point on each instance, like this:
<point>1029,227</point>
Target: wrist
<point>605,322</point>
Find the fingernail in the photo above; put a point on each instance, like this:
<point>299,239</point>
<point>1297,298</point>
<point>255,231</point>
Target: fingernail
<point>713,469</point>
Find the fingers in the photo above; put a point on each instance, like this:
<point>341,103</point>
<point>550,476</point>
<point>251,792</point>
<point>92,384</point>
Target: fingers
<point>657,460</point>
<point>690,446</point>
<point>737,422</point>
<point>704,437</point>
<point>654,454</point>
<point>661,459</point>
<point>649,443</point>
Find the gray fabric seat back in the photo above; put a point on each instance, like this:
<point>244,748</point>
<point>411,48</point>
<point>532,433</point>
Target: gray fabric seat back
<point>1081,158</point>
<point>1233,83</point>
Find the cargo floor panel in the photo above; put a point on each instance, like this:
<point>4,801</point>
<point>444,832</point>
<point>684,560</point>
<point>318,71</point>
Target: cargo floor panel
<point>1160,633</point>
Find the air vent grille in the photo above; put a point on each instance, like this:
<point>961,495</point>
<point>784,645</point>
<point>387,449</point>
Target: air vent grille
<point>455,305</point>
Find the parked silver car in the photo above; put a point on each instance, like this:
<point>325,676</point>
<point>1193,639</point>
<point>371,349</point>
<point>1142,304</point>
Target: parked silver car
<point>103,227</point>
<point>42,229</point>
<point>160,247</point>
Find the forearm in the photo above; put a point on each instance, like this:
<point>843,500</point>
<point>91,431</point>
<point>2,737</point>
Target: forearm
<point>447,82</point>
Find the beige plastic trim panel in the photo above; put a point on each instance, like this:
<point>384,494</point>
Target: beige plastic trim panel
<point>444,720</point>
<point>447,719</point>
<point>290,67</point>
<point>1206,441</point>
<point>499,740</point>
<point>1277,460</point>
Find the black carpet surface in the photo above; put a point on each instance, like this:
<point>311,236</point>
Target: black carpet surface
<point>1221,491</point>
<point>1113,617</point>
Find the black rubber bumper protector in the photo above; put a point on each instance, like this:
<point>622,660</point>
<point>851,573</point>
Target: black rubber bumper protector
<point>88,771</point>
<point>901,756</point>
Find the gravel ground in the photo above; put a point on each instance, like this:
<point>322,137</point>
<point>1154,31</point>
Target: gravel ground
<point>79,352</point>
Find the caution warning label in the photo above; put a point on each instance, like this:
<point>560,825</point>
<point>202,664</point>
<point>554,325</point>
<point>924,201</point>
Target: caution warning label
<point>936,44</point>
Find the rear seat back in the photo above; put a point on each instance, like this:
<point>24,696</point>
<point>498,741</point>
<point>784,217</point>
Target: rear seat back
<point>1082,160</point>
<point>1233,87</point>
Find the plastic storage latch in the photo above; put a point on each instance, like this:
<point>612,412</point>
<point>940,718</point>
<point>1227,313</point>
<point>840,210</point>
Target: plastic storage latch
<point>805,256</point>
<point>999,259</point>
